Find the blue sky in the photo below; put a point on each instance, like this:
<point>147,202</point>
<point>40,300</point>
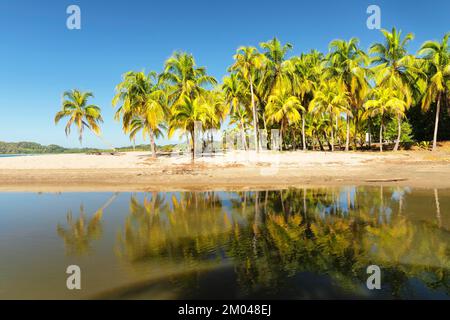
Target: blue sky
<point>40,58</point>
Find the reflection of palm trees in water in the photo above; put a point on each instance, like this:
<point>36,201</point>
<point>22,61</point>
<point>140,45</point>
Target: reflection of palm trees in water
<point>273,235</point>
<point>80,232</point>
<point>438,207</point>
<point>180,226</point>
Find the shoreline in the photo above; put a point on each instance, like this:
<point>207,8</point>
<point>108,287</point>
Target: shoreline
<point>234,171</point>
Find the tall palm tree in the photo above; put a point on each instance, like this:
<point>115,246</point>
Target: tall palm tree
<point>436,57</point>
<point>235,94</point>
<point>346,62</point>
<point>304,73</point>
<point>75,106</point>
<point>283,108</point>
<point>241,118</point>
<point>184,78</point>
<point>385,101</point>
<point>218,110</point>
<point>143,106</point>
<point>330,99</point>
<point>247,61</point>
<point>394,67</point>
<point>185,113</point>
<point>275,71</point>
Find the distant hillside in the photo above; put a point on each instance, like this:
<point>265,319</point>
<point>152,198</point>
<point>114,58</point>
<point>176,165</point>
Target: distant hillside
<point>36,148</point>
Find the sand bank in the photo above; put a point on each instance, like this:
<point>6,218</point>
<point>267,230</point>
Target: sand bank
<point>137,171</point>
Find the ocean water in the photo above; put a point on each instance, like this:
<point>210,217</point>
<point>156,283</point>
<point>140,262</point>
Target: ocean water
<point>11,155</point>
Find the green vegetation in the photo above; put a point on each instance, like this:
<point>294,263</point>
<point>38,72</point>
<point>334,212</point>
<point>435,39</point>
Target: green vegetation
<point>36,148</point>
<point>75,107</point>
<point>315,99</point>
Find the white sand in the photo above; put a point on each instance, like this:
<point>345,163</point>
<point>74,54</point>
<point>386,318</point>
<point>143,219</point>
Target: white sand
<point>144,160</point>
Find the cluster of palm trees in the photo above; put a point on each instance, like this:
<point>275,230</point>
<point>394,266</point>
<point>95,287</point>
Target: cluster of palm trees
<point>314,99</point>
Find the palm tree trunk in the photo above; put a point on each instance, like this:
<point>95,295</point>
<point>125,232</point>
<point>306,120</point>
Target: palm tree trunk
<point>325,136</point>
<point>397,142</point>
<point>436,123</point>
<point>381,134</point>
<point>152,143</point>
<point>193,145</point>
<point>243,137</point>
<point>212,141</point>
<point>294,139</point>
<point>332,135</point>
<point>255,116</point>
<point>281,135</point>
<point>303,133</point>
<point>320,142</point>
<point>347,139</point>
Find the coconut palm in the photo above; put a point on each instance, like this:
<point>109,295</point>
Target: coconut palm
<point>247,61</point>
<point>304,73</point>
<point>385,101</point>
<point>184,78</point>
<point>185,113</point>
<point>75,106</point>
<point>346,62</point>
<point>330,99</point>
<point>275,71</point>
<point>436,57</point>
<point>395,68</point>
<point>241,118</point>
<point>316,127</point>
<point>143,106</point>
<point>218,110</point>
<point>283,108</point>
<point>235,94</point>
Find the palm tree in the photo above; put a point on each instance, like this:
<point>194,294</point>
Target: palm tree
<point>144,106</point>
<point>395,68</point>
<point>184,78</point>
<point>218,110</point>
<point>75,106</point>
<point>317,126</point>
<point>234,93</point>
<point>304,73</point>
<point>241,118</point>
<point>275,71</point>
<point>283,108</point>
<point>436,57</point>
<point>332,100</point>
<point>346,62</point>
<point>185,113</point>
<point>247,61</point>
<point>385,101</point>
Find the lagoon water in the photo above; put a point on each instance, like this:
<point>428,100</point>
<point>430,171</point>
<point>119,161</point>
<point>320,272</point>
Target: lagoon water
<point>11,155</point>
<point>280,244</point>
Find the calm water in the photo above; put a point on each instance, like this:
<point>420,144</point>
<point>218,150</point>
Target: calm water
<point>10,155</point>
<point>290,244</point>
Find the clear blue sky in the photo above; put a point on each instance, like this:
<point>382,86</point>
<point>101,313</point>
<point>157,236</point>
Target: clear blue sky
<point>40,58</point>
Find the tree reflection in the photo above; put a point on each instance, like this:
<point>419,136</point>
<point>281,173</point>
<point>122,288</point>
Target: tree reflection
<point>80,232</point>
<point>270,237</point>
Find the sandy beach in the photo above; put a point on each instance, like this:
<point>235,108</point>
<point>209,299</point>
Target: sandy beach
<point>137,171</point>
